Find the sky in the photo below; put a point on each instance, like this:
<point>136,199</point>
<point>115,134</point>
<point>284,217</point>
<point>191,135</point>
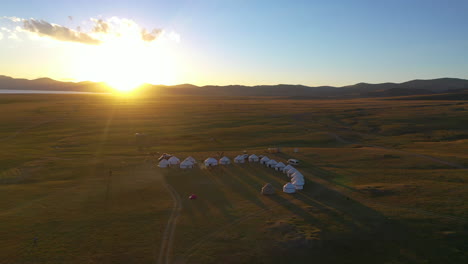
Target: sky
<point>313,43</point>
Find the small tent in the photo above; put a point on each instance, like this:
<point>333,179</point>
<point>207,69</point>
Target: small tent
<point>253,158</point>
<point>239,159</point>
<point>173,160</point>
<point>298,183</point>
<point>186,164</point>
<point>268,189</point>
<point>191,159</point>
<point>288,167</point>
<point>209,162</point>
<point>163,163</point>
<point>224,161</point>
<point>279,166</point>
<point>264,160</point>
<point>289,188</point>
<point>271,163</point>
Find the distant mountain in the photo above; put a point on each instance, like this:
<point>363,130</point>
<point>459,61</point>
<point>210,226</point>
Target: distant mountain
<point>415,87</point>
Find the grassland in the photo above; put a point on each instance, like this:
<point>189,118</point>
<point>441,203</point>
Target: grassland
<point>385,180</point>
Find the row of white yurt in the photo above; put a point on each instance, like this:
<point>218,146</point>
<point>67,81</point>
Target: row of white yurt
<point>289,188</point>
<point>288,167</point>
<point>164,163</point>
<point>298,180</point>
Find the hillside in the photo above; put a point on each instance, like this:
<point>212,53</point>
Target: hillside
<point>360,90</point>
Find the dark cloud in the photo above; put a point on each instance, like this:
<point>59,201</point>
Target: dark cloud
<point>58,32</point>
<point>150,36</point>
<point>100,26</point>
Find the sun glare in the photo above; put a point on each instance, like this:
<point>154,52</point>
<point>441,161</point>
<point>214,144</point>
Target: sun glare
<point>124,61</point>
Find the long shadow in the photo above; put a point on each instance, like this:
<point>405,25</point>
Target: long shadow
<point>244,186</point>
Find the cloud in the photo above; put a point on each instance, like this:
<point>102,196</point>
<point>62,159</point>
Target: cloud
<point>44,28</point>
<point>13,19</point>
<point>100,26</point>
<point>150,36</point>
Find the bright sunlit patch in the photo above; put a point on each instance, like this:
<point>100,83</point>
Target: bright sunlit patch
<point>124,60</point>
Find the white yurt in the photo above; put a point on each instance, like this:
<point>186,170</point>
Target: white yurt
<point>186,164</point>
<point>253,158</point>
<point>291,172</point>
<point>163,163</point>
<point>264,160</point>
<point>173,160</point>
<point>279,166</point>
<point>239,159</point>
<point>191,159</point>
<point>289,188</point>
<point>298,183</point>
<point>209,162</point>
<point>288,167</point>
<point>224,161</point>
<point>245,156</point>
<point>296,174</point>
<point>271,163</point>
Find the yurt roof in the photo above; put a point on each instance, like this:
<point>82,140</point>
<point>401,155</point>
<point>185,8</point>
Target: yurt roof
<point>280,165</point>
<point>163,161</point>
<point>211,160</point>
<point>298,181</point>
<point>265,158</point>
<point>186,162</point>
<point>289,186</point>
<point>288,167</point>
<point>174,158</point>
<point>190,158</point>
<point>272,162</point>
<point>224,159</point>
<point>253,156</point>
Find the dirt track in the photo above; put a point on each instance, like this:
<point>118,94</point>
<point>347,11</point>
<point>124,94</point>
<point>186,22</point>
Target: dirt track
<point>168,235</point>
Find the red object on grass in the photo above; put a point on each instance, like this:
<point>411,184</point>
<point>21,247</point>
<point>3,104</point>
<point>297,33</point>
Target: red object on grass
<point>192,197</point>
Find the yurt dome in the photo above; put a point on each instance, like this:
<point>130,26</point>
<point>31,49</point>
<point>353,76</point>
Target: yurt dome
<point>253,158</point>
<point>211,162</point>
<point>163,163</point>
<point>271,163</point>
<point>173,160</point>
<point>190,158</point>
<point>239,159</point>
<point>291,172</point>
<point>224,161</point>
<point>186,164</point>
<point>264,160</point>
<point>288,167</point>
<point>298,183</point>
<point>297,174</point>
<point>279,166</point>
<point>289,188</point>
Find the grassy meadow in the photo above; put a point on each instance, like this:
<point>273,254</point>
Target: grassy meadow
<point>386,180</point>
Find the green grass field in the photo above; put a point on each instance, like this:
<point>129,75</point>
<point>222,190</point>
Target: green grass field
<point>385,180</point>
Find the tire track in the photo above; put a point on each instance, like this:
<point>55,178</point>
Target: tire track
<point>168,236</point>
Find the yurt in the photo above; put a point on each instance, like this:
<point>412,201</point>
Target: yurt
<point>224,161</point>
<point>190,158</point>
<point>268,189</point>
<point>239,159</point>
<point>163,163</point>
<point>271,163</point>
<point>209,162</point>
<point>298,183</point>
<point>245,156</point>
<point>173,160</point>
<point>291,172</point>
<point>296,174</point>
<point>279,166</point>
<point>288,167</point>
<point>186,164</point>
<point>253,158</point>
<point>289,188</point>
<point>264,160</point>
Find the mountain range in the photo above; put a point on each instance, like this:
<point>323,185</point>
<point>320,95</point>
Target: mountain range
<point>414,87</point>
